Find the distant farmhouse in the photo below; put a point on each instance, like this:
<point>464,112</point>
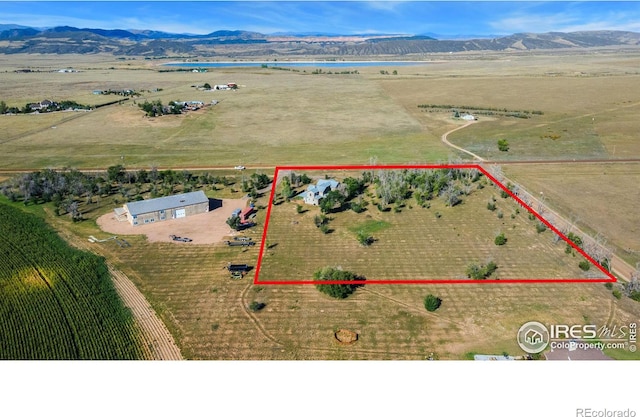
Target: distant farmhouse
<point>43,105</point>
<point>316,192</point>
<point>164,208</point>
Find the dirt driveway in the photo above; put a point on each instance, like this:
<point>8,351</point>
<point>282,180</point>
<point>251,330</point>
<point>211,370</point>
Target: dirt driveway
<point>205,228</point>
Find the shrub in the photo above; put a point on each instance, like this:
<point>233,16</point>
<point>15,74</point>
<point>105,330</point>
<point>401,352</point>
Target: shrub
<point>475,271</point>
<point>357,207</point>
<point>532,216</point>
<point>491,206</point>
<point>336,274</point>
<point>431,302</point>
<point>364,239</point>
<point>320,220</point>
<point>608,285</point>
<point>635,296</point>
<point>324,228</point>
<point>299,209</point>
<point>500,214</point>
<point>503,145</point>
<point>540,227</point>
<point>500,239</point>
<point>616,293</point>
<point>438,215</point>
<point>256,306</point>
<point>575,239</point>
<point>585,265</point>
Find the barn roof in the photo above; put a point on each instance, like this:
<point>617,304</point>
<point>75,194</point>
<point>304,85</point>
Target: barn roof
<point>166,203</point>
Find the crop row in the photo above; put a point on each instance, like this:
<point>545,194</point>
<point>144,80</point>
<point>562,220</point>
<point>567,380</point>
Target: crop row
<point>59,302</point>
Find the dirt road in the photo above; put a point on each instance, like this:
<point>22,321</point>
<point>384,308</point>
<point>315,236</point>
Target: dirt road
<point>156,336</point>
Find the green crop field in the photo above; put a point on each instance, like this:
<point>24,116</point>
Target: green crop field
<point>57,302</point>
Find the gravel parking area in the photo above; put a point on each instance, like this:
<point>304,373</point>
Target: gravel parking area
<point>205,228</point>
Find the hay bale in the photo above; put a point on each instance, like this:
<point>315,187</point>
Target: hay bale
<point>346,337</point>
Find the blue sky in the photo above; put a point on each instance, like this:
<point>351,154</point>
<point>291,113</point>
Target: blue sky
<point>342,17</point>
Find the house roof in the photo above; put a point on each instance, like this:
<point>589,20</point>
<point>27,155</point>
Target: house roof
<point>166,203</point>
<point>328,183</point>
<point>322,185</point>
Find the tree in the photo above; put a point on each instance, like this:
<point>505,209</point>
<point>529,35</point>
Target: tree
<point>207,86</point>
<point>333,199</point>
<point>432,303</point>
<point>286,192</point>
<point>337,274</point>
<point>500,239</point>
<point>234,222</point>
<point>3,107</point>
<point>115,173</point>
<point>503,145</point>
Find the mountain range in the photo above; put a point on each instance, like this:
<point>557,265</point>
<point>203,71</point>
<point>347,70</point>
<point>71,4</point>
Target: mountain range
<point>237,43</point>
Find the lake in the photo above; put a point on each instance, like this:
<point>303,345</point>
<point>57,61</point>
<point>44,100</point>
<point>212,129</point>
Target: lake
<point>283,64</point>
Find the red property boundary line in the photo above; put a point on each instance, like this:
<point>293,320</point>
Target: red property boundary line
<point>610,278</point>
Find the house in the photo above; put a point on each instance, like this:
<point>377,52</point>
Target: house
<point>43,105</point>
<point>468,117</point>
<point>316,192</point>
<point>165,208</point>
<point>221,87</point>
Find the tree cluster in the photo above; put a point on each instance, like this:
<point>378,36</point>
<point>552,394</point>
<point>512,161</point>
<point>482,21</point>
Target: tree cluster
<point>156,108</point>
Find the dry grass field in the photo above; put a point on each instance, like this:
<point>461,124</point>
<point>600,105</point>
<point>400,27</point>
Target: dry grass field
<point>274,117</point>
<point>584,117</point>
<point>279,118</point>
<point>601,198</point>
<point>416,244</point>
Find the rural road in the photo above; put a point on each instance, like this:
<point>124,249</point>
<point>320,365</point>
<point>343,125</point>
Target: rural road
<point>446,142</point>
<point>155,334</point>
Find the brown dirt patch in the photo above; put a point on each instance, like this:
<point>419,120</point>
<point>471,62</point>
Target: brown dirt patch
<point>205,228</point>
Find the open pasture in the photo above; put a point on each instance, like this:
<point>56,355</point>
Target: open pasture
<point>601,198</point>
<point>583,117</point>
<point>274,117</point>
<point>416,243</point>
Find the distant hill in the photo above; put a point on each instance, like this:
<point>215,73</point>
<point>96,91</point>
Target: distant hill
<point>67,39</point>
